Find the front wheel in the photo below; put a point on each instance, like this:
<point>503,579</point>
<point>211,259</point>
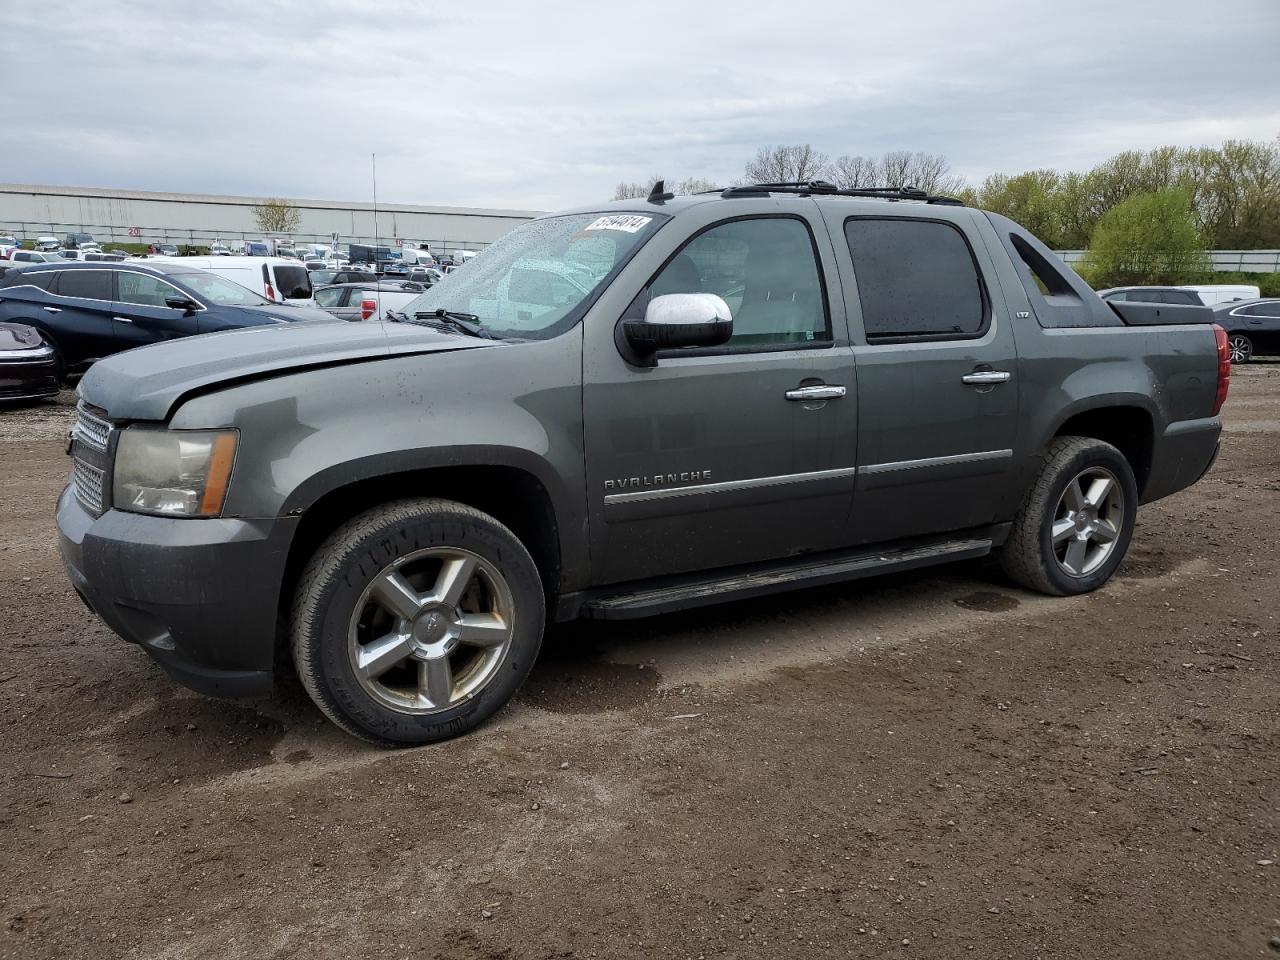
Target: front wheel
<point>1076,522</point>
<point>416,621</point>
<point>1241,348</point>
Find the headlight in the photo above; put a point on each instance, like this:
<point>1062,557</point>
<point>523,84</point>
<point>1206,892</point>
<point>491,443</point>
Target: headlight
<point>173,473</point>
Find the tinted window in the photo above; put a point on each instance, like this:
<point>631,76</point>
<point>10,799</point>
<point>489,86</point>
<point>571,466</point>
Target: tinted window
<point>1269,309</point>
<point>144,290</point>
<point>916,278</point>
<point>293,283</point>
<point>88,284</point>
<point>28,278</point>
<point>764,270</point>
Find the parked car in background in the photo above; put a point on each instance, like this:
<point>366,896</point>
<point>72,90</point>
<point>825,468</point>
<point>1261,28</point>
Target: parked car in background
<point>217,249</point>
<point>80,241</point>
<point>332,276</point>
<point>87,311</point>
<point>367,301</point>
<point>35,256</point>
<point>164,249</point>
<point>28,367</point>
<point>1253,327</point>
<point>275,278</point>
<point>1215,293</point>
<point>255,248</point>
<point>424,275</point>
<point>47,244</point>
<point>1152,295</point>
<point>91,254</point>
<point>8,244</point>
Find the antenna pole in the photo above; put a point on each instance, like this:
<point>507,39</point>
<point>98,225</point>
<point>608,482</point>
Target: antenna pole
<point>377,241</point>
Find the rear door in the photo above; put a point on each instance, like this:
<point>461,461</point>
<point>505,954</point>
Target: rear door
<point>937,372</point>
<point>141,315</point>
<point>1260,322</point>
<point>81,303</point>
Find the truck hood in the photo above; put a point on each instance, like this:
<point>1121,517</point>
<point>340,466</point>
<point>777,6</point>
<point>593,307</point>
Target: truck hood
<point>146,383</point>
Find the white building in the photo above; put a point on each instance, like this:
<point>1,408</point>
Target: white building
<point>137,216</point>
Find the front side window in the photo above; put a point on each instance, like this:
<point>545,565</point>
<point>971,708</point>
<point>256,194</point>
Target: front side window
<point>143,289</point>
<point>766,272</point>
<point>916,279</point>
<point>218,290</point>
<point>535,282</point>
<point>329,297</point>
<point>84,284</point>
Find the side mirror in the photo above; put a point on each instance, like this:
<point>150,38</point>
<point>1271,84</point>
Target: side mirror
<point>181,303</point>
<point>680,320</point>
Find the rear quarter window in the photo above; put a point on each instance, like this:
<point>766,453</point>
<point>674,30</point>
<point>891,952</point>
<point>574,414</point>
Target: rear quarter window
<point>84,284</point>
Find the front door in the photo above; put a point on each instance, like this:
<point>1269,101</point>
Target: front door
<point>142,316</point>
<point>715,457</point>
<point>937,374</point>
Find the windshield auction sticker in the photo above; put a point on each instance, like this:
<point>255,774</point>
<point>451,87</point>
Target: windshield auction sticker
<point>627,223</point>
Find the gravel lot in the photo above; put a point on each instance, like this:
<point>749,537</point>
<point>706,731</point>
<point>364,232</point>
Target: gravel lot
<point>933,765</point>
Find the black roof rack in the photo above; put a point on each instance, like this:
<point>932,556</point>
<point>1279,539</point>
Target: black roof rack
<point>810,188</point>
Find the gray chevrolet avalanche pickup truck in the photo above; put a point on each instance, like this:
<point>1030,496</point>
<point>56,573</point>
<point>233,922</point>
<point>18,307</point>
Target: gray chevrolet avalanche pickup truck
<point>618,411</point>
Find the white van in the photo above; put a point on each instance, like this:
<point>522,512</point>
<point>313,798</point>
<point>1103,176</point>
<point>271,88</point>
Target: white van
<point>1213,294</point>
<point>285,281</point>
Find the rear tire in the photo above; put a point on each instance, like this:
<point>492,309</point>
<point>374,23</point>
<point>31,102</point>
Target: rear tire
<point>416,621</point>
<point>1076,521</point>
<point>1241,348</point>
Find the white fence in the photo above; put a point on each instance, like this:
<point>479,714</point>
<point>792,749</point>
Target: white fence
<point>1232,261</point>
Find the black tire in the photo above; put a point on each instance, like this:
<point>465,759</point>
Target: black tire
<point>1240,346</point>
<point>343,569</point>
<point>1029,556</point>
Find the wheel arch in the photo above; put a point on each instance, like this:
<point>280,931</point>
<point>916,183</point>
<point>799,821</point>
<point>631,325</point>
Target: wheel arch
<point>1127,424</point>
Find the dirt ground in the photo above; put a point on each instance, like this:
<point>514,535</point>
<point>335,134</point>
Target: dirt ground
<point>932,765</point>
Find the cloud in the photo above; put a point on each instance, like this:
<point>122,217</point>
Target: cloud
<point>536,106</point>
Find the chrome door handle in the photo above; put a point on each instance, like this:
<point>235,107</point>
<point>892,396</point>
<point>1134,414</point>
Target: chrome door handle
<point>53,309</point>
<point>819,391</point>
<point>986,376</point>
<point>122,319</point>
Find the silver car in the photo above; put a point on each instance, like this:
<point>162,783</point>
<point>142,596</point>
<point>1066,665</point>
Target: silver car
<point>367,301</point>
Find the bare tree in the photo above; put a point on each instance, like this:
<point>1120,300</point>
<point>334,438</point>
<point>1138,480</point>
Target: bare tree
<point>693,185</point>
<point>632,191</point>
<point>786,163</point>
<point>900,168</point>
<point>277,215</point>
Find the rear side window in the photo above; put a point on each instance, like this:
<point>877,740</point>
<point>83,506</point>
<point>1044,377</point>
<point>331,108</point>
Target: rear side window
<point>293,283</point>
<point>1269,309</point>
<point>84,284</point>
<point>330,297</point>
<point>916,279</point>
<point>29,278</point>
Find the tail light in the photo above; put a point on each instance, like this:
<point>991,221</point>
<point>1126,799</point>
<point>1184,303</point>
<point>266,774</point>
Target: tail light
<point>368,308</point>
<point>1224,368</point>
<point>271,292</point>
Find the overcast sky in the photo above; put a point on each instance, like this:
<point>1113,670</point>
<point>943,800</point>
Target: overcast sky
<point>543,105</point>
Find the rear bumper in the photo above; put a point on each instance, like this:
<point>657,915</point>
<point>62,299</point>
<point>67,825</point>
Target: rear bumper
<point>1182,455</point>
<point>199,596</point>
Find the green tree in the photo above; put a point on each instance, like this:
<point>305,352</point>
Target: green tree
<point>1148,238</point>
<point>1030,199</point>
<point>277,215</point>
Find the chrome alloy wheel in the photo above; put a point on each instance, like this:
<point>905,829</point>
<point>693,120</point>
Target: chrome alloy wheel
<point>1241,349</point>
<point>431,630</point>
<point>1087,521</point>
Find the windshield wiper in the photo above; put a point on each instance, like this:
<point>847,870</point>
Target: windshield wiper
<point>467,323</point>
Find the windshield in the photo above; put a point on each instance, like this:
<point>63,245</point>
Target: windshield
<point>533,281</point>
<point>217,290</point>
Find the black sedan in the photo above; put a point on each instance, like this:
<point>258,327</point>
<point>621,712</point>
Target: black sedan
<point>87,311</point>
<point>28,367</point>
<point>1253,327</point>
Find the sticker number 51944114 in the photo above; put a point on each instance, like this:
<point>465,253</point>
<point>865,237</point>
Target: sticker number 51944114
<point>627,223</point>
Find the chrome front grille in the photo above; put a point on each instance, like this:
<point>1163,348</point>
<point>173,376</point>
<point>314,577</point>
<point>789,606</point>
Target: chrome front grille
<point>90,429</point>
<point>87,481</point>
<point>90,452</point>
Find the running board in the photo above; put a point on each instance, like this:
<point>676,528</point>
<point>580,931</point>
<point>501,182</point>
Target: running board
<point>775,578</point>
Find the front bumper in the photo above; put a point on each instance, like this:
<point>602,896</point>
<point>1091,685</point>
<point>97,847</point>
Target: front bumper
<point>200,596</point>
<point>28,379</point>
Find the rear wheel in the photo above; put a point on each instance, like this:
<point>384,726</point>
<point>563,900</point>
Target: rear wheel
<point>416,621</point>
<point>1077,520</point>
<point>1241,348</point>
